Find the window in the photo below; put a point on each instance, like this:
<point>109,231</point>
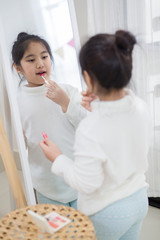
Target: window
<point>60,36</point>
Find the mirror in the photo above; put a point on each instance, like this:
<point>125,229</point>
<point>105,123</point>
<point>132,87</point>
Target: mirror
<point>54,21</point>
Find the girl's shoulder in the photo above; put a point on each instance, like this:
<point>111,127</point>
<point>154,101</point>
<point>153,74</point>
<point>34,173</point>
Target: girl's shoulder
<point>138,102</point>
<point>90,123</point>
<point>141,105</point>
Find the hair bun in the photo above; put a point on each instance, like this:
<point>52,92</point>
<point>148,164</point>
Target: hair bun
<point>22,35</point>
<point>125,41</point>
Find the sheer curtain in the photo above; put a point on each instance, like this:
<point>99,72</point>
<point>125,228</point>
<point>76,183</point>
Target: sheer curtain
<point>142,18</point>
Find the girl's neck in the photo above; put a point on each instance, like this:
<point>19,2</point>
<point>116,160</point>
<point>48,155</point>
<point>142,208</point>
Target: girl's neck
<point>113,95</point>
<point>33,85</point>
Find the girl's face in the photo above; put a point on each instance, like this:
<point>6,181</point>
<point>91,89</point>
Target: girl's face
<point>36,60</point>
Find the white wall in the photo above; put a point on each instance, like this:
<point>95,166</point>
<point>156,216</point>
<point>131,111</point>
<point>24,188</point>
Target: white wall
<point>16,16</point>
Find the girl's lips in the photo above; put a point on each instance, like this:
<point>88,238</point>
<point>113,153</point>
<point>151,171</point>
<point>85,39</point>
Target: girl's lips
<point>41,73</point>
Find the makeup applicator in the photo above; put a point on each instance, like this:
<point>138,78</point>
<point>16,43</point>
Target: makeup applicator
<point>41,74</point>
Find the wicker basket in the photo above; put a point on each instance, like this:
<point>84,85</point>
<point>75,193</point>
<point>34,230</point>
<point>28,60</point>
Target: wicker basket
<point>18,224</point>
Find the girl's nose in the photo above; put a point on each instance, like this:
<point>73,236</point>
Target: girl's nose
<point>39,63</point>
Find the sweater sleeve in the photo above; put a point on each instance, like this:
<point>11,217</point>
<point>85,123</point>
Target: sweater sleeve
<point>86,173</point>
<point>75,112</point>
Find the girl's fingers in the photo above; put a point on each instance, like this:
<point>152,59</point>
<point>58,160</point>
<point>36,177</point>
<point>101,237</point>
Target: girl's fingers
<point>87,107</point>
<point>85,103</point>
<point>88,94</point>
<point>87,98</point>
<point>51,87</point>
<point>51,91</point>
<point>42,144</point>
<point>84,93</point>
<point>52,83</point>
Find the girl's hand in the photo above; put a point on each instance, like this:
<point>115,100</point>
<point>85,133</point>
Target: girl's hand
<point>57,95</point>
<point>50,149</point>
<point>87,99</point>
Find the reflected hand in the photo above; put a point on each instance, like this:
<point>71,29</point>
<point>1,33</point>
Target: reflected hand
<point>50,149</point>
<point>87,99</point>
<point>57,95</point>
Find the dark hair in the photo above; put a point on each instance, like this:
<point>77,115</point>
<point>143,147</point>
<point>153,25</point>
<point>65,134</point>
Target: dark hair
<point>22,43</point>
<point>108,59</point>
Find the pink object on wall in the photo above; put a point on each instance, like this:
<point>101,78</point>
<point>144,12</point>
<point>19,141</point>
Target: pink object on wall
<point>71,43</point>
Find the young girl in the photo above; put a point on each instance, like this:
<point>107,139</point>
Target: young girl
<point>111,144</point>
<point>58,118</point>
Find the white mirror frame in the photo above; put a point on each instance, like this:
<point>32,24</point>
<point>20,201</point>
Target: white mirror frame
<point>29,192</point>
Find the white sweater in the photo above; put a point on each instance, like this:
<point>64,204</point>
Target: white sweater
<point>38,114</point>
<point>110,153</point>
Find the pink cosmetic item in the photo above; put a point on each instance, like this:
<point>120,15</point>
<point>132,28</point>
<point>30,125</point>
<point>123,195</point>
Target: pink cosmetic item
<point>51,222</point>
<point>41,74</point>
<point>44,135</point>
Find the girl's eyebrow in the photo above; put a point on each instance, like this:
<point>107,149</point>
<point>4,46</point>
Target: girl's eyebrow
<point>32,55</point>
<point>44,52</point>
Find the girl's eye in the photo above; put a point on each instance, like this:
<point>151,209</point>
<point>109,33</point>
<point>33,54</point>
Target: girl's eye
<point>30,60</point>
<point>44,57</point>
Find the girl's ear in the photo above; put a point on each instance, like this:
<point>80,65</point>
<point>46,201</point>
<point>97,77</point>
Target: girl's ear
<point>18,68</point>
<point>88,81</point>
